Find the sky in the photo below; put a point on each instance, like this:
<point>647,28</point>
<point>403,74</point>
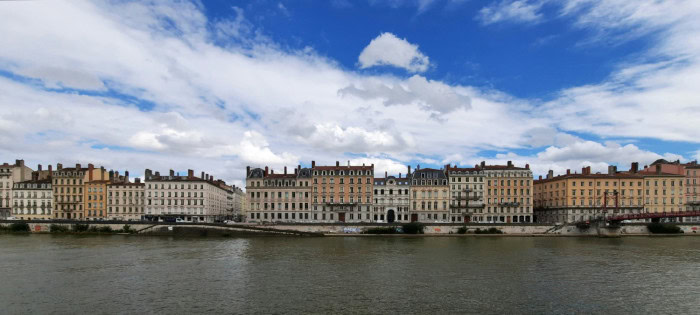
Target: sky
<point>216,86</point>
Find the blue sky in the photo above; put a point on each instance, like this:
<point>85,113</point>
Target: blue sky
<point>219,85</point>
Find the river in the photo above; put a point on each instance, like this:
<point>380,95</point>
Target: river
<point>66,274</point>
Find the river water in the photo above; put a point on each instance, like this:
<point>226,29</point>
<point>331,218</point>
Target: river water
<point>67,274</point>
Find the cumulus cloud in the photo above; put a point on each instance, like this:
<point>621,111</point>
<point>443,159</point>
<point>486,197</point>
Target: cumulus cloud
<point>389,50</point>
<point>521,11</point>
<point>433,96</point>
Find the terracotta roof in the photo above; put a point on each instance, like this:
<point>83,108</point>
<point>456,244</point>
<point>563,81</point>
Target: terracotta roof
<point>619,175</point>
<point>342,168</point>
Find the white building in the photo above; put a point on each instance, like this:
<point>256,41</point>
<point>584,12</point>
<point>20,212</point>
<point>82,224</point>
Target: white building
<point>10,174</point>
<point>391,199</point>
<point>188,198</point>
<point>32,199</point>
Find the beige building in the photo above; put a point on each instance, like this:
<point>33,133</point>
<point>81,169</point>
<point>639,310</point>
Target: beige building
<point>95,200</point>
<point>466,192</point>
<point>69,190</point>
<point>281,197</point>
<point>184,198</point>
<point>508,194</point>
<point>692,188</point>
<point>575,197</point>
<point>125,200</point>
<point>391,199</point>
<point>32,199</point>
<point>663,191</point>
<point>429,193</point>
<point>10,174</point>
<point>342,193</point>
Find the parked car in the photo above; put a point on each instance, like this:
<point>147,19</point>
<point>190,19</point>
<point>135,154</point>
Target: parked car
<point>12,218</point>
<point>178,220</point>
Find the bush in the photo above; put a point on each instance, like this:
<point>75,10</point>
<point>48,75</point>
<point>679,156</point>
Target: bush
<point>127,229</point>
<point>489,231</point>
<point>660,228</point>
<point>19,227</point>
<point>380,230</point>
<point>80,227</point>
<point>105,229</point>
<point>57,228</point>
<point>92,229</point>
<point>413,228</point>
<point>462,230</point>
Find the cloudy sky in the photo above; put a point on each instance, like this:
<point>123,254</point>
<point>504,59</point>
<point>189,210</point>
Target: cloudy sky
<point>219,85</point>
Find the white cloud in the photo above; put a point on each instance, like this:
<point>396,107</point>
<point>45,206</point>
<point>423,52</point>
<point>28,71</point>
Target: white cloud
<point>389,50</point>
<point>520,11</point>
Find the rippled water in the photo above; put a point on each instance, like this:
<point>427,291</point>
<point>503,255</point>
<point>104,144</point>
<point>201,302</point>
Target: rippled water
<point>432,275</point>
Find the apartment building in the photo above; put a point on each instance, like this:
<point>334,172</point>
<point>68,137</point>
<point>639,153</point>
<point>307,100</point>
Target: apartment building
<point>466,192</point>
<point>32,199</point>
<point>663,191</point>
<point>10,174</point>
<point>188,198</point>
<point>125,200</point>
<point>281,197</point>
<point>391,199</point>
<point>69,190</point>
<point>342,193</point>
<point>575,197</point>
<point>508,194</point>
<point>692,185</point>
<point>429,193</point>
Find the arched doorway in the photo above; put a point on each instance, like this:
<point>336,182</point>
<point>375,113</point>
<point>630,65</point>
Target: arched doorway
<point>390,216</point>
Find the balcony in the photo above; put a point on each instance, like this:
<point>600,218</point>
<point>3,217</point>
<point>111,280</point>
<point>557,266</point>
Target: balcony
<point>509,204</point>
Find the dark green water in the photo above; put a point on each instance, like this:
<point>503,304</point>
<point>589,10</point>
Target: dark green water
<point>265,275</point>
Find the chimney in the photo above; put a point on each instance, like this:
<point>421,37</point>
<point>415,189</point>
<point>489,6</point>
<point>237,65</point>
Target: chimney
<point>611,170</point>
<point>190,174</point>
<point>409,171</point>
<point>540,177</point>
<point>19,162</point>
<point>386,174</point>
<point>39,167</point>
<point>59,166</point>
<point>337,163</point>
<point>50,169</point>
<point>348,163</point>
<point>157,174</point>
<point>635,167</point>
<point>527,166</point>
<point>568,171</point>
<point>266,170</point>
<point>296,171</point>
<point>272,171</point>
<point>247,171</point>
<point>550,174</point>
<point>90,171</point>
<point>399,175</point>
<point>202,177</point>
<point>510,163</point>
<point>77,166</point>
<point>483,164</point>
<point>102,172</point>
<point>285,170</point>
<point>111,176</point>
<point>126,176</point>
<point>137,180</point>
<point>172,173</point>
<point>313,164</point>
<point>658,169</point>
<point>418,167</point>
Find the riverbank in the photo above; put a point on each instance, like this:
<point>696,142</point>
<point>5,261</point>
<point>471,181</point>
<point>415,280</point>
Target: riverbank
<point>335,230</point>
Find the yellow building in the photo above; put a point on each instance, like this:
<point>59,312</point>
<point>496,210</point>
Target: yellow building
<point>663,191</point>
<point>578,197</point>
<point>508,194</point>
<point>95,200</point>
<point>68,190</point>
<point>342,193</point>
<point>430,197</point>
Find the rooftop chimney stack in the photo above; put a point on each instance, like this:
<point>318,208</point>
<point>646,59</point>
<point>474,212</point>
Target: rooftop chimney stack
<point>417,167</point>
<point>527,166</point>
<point>202,176</point>
<point>266,170</point>
<point>190,174</point>
<point>59,166</point>
<point>172,173</point>
<point>111,176</point>
<point>510,163</point>
<point>483,164</point>
<point>386,174</point>
<point>90,171</point>
<point>540,177</point>
<point>550,174</point>
<point>296,171</point>
<point>568,171</point>
<point>285,170</point>
<point>409,171</point>
<point>337,163</point>
<point>77,166</point>
<point>50,169</point>
<point>39,167</point>
<point>635,167</point>
<point>313,164</point>
<point>126,176</point>
<point>247,171</point>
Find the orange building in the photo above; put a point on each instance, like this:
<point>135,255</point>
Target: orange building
<point>342,193</point>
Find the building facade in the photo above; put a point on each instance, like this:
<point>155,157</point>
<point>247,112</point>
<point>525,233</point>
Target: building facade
<point>508,194</point>
<point>575,197</point>
<point>282,197</point>
<point>184,198</point>
<point>69,189</point>
<point>466,193</point>
<point>125,200</point>
<point>10,174</point>
<point>663,191</point>
<point>32,199</point>
<point>692,183</point>
<point>429,193</point>
<point>95,200</point>
<point>391,199</point>
<point>342,193</point>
